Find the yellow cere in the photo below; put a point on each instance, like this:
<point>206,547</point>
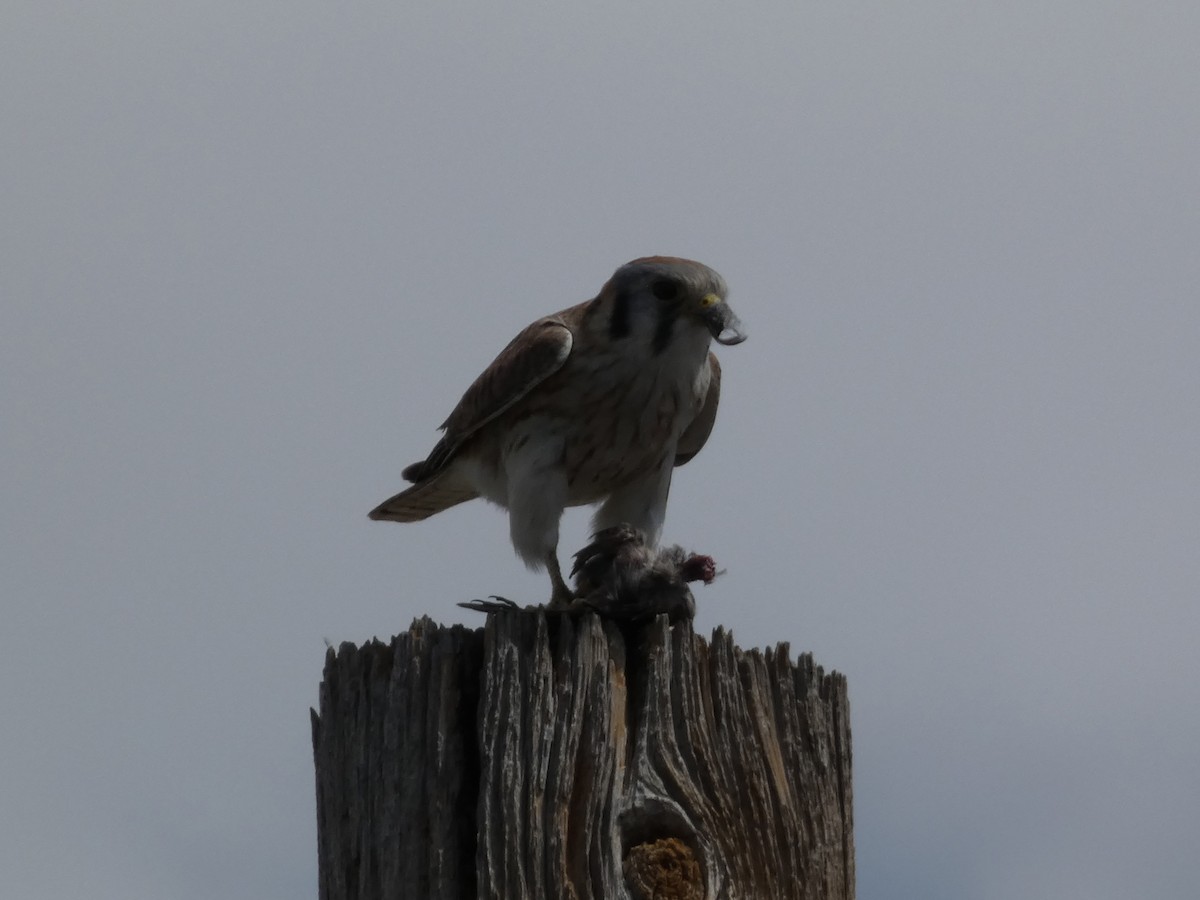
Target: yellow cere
<point>709,300</point>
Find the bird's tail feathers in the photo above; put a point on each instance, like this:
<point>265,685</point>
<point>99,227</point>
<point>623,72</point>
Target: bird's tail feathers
<point>424,499</point>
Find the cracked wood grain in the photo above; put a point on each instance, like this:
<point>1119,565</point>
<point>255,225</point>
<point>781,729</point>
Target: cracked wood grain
<point>568,757</point>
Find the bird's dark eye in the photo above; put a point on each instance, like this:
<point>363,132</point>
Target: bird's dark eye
<point>665,289</point>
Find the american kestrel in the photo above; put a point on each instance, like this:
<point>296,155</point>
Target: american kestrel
<point>594,404</point>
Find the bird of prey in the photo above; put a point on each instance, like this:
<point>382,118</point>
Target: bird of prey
<point>593,404</point>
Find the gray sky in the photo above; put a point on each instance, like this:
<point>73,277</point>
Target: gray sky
<point>253,253</point>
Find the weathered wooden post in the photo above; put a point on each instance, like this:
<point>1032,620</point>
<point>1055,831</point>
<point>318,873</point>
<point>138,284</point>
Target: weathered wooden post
<point>555,756</point>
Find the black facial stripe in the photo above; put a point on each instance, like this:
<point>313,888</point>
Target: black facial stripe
<point>666,288</point>
<point>618,325</point>
<point>662,331</point>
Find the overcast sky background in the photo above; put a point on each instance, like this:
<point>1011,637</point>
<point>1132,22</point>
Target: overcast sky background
<point>252,253</point>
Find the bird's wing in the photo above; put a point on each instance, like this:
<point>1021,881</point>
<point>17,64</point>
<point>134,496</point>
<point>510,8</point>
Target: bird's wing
<point>529,359</point>
<point>698,430</point>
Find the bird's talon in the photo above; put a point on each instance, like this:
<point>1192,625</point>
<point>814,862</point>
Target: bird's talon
<point>493,604</point>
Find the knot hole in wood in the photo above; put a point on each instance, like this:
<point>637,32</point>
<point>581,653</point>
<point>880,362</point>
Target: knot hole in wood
<point>663,869</point>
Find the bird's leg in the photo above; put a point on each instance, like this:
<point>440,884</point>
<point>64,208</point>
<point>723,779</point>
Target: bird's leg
<point>537,495</point>
<point>641,504</point>
<point>562,594</point>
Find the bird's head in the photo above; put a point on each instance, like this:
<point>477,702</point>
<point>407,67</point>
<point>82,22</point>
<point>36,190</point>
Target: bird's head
<point>656,292</point>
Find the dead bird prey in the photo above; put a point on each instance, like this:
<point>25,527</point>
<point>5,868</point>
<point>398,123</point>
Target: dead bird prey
<point>620,576</point>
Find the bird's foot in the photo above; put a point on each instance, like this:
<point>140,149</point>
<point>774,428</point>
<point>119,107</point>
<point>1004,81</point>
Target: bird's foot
<point>560,600</point>
<point>493,604</point>
<point>561,595</point>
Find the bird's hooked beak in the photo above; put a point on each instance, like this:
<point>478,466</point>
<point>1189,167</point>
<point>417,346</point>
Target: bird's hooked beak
<point>725,327</point>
